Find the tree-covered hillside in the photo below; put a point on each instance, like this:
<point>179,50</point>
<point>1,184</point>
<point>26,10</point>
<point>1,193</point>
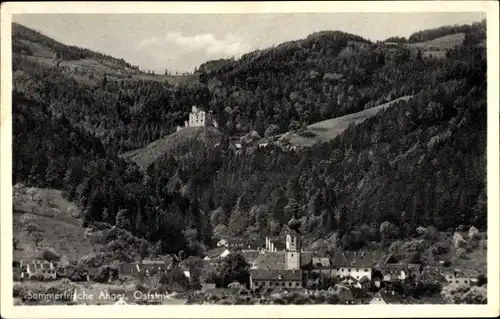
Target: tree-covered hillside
<point>418,163</point>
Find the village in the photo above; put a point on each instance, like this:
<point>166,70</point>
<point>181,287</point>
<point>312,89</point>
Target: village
<point>273,266</point>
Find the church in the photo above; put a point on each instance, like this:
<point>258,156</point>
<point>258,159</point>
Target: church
<point>292,267</point>
<point>288,275</point>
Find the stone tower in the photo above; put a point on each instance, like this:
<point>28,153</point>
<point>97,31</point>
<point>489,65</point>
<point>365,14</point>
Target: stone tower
<point>293,245</point>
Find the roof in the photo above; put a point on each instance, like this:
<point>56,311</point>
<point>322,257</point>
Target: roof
<point>250,255</point>
<point>270,260</point>
<point>215,253</point>
<point>431,275</point>
<point>284,274</point>
<point>360,294</point>
<point>160,260</point>
<point>354,259</point>
<point>128,268</point>
<point>40,265</point>
<point>470,273</point>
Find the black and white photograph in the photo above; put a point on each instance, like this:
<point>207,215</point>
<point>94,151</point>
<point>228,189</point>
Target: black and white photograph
<point>250,158</point>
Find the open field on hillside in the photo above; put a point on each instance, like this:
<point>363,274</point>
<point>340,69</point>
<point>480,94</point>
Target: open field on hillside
<point>147,155</point>
<point>329,129</point>
<point>57,219</point>
<point>442,43</point>
<point>89,71</point>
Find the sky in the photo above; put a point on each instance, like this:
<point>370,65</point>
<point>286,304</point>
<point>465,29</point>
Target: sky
<point>180,42</point>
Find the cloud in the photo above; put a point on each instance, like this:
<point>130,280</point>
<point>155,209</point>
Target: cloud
<point>174,43</point>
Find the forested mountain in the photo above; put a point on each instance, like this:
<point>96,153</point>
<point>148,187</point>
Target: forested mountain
<point>418,164</point>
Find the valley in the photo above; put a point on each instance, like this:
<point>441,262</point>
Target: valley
<point>358,148</point>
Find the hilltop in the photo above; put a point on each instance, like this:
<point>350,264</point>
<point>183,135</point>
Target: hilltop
<point>174,144</point>
<point>83,65</point>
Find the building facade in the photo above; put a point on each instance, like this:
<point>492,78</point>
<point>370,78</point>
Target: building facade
<point>292,250</point>
<point>265,278</point>
<point>199,118</point>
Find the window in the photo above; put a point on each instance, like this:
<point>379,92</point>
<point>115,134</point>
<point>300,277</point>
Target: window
<point>357,277</point>
<point>349,270</point>
<point>466,281</point>
<point>292,254</point>
<point>289,284</point>
<point>366,270</point>
<point>456,281</point>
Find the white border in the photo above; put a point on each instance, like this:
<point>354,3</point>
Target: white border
<point>290,311</point>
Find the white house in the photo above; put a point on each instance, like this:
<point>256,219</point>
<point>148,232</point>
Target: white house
<point>39,269</point>
<point>353,264</point>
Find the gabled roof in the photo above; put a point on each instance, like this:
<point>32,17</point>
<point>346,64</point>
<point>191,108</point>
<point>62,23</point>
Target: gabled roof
<point>127,268</point>
<point>269,274</point>
<point>250,255</point>
<point>215,253</point>
<point>270,260</point>
<point>352,259</point>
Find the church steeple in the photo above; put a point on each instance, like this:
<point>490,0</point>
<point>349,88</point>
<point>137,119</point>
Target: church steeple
<point>293,244</point>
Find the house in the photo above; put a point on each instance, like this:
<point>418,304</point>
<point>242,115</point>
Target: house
<point>385,298</point>
<point>268,278</point>
<point>199,118</point>
<point>232,243</point>
<point>466,277</point>
<point>39,270</point>
<point>222,242</point>
<point>128,270</point>
<point>364,283</point>
<point>321,266</point>
<point>352,264</point>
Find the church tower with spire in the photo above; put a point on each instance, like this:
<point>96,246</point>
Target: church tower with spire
<point>293,245</point>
